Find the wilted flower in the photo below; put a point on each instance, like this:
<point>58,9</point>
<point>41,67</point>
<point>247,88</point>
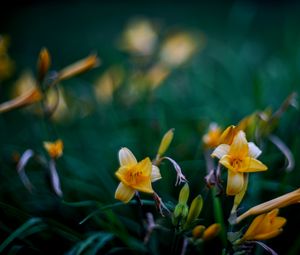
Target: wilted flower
<point>264,226</point>
<point>134,176</point>
<point>238,158</point>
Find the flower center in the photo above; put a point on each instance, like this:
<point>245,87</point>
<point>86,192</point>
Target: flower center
<point>236,163</point>
<point>134,176</point>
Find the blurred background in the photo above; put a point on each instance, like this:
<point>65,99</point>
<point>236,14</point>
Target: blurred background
<point>164,65</point>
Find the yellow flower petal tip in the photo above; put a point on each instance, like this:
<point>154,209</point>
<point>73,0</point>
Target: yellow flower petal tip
<point>134,175</point>
<point>264,226</point>
<point>54,149</point>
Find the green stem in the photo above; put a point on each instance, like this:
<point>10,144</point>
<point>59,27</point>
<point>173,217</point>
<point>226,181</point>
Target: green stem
<point>218,213</point>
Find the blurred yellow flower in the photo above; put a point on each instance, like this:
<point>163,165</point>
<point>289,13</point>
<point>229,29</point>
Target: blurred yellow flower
<point>264,226</point>
<point>212,137</point>
<point>156,75</point>
<point>238,158</point>
<point>179,47</point>
<point>279,202</point>
<point>139,37</point>
<point>107,83</point>
<point>54,149</point>
<point>134,176</point>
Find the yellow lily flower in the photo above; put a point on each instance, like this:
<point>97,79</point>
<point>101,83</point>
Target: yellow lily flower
<point>264,226</point>
<point>238,158</point>
<point>134,176</point>
<point>279,202</point>
<point>54,149</point>
<point>212,137</point>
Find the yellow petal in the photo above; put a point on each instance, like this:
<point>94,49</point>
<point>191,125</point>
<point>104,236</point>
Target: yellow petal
<point>145,166</point>
<point>54,149</point>
<point>221,151</point>
<point>252,165</point>
<point>239,147</point>
<point>226,161</point>
<point>265,236</point>
<point>122,174</point>
<point>278,222</point>
<point>254,227</point>
<point>235,182</point>
<point>254,151</point>
<point>155,174</point>
<point>144,186</point>
<point>228,135</point>
<point>126,157</point>
<point>124,193</point>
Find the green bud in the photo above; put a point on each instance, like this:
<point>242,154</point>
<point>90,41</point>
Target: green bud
<point>180,213</point>
<point>195,210</point>
<point>184,194</point>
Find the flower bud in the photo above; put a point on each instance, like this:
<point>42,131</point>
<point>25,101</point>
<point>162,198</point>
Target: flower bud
<point>211,232</point>
<point>165,142</point>
<point>195,209</point>
<point>43,64</point>
<point>184,194</point>
<point>198,231</point>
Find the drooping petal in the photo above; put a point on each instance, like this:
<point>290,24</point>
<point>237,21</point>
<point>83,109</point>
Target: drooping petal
<point>235,182</point>
<point>126,157</point>
<point>252,165</point>
<point>254,151</point>
<point>239,147</point>
<point>155,174</point>
<point>124,193</point>
<point>221,151</point>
